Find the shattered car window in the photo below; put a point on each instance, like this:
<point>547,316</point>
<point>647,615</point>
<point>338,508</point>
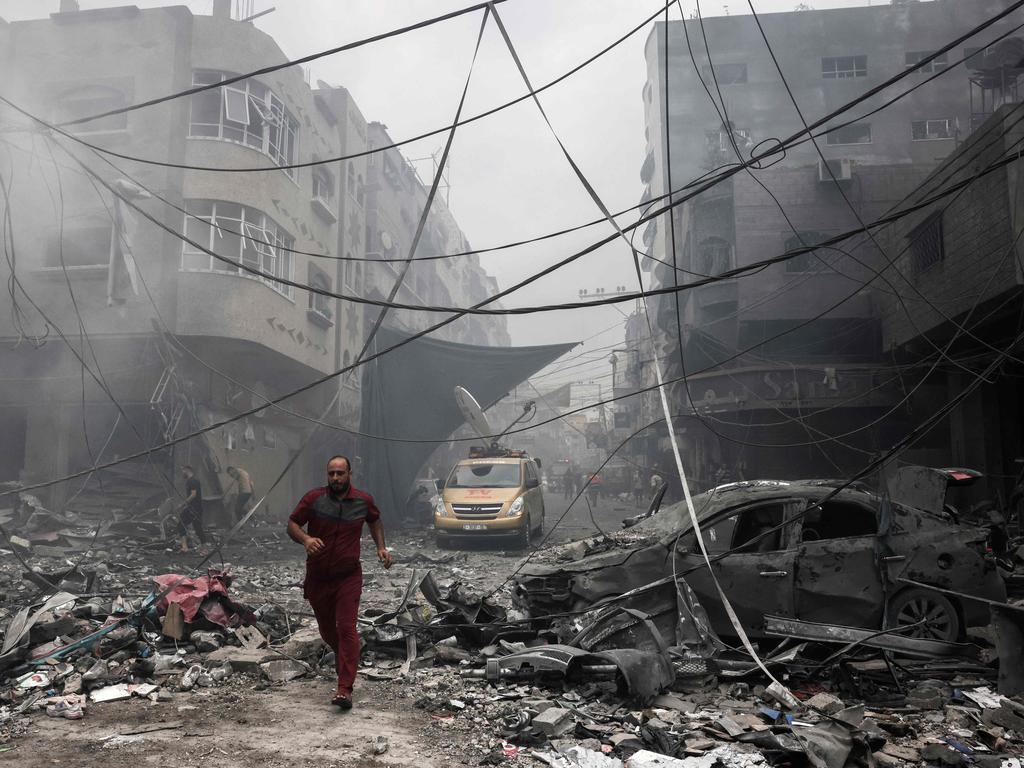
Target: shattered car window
<point>485,476</point>
<point>754,528</point>
<point>838,520</point>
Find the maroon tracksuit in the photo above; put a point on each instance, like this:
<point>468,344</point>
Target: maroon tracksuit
<point>334,576</point>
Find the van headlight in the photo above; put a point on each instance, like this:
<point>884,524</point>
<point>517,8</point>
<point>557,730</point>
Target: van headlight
<point>515,509</point>
<point>440,508</point>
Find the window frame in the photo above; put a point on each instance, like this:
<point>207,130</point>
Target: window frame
<point>278,133</point>
<point>836,73</point>
<point>836,132</point>
<point>810,238</point>
<point>271,255</point>
<point>940,62</point>
<point>109,98</point>
<point>826,507</point>
<point>950,128</point>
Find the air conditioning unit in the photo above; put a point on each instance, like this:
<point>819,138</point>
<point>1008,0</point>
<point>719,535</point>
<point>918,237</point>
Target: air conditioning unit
<point>841,169</point>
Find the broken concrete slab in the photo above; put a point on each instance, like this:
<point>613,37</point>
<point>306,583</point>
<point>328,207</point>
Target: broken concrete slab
<point>283,670</point>
<point>554,721</point>
<point>242,659</point>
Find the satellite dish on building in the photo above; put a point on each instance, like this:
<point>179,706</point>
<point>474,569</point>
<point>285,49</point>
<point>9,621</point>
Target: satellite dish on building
<point>473,413</point>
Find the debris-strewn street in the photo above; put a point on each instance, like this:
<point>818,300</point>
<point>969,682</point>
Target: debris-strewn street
<point>230,667</point>
<point>620,384</point>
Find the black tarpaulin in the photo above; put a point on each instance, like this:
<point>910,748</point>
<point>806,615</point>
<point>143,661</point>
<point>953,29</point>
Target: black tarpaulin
<point>409,393</point>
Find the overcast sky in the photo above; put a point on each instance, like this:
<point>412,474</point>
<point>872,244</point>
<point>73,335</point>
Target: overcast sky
<point>509,180</point>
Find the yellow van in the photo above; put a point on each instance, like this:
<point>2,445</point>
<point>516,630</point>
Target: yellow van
<point>491,496</point>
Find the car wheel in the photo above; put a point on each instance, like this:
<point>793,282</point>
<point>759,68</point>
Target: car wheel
<point>540,525</point>
<point>940,617</point>
<point>443,540</point>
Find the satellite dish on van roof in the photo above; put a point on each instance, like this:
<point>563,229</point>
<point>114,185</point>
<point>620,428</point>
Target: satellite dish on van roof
<point>473,413</point>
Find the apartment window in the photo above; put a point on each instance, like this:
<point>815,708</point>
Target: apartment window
<point>926,245</point>
<point>725,74</point>
<point>323,185</point>
<point>87,246</point>
<point>805,262</point>
<point>93,100</point>
<point>929,130</point>
<point>242,235</point>
<point>842,67</point>
<point>936,64</point>
<point>246,112</point>
<point>318,302</point>
<point>855,133</point>
<point>714,256</point>
<point>360,190</point>
<point>350,179</point>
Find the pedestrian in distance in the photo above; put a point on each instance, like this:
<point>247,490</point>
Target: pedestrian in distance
<point>333,517</point>
<point>638,488</point>
<point>243,491</point>
<point>190,512</point>
<point>594,489</point>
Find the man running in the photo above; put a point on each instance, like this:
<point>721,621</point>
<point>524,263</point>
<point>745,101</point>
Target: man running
<point>333,516</point>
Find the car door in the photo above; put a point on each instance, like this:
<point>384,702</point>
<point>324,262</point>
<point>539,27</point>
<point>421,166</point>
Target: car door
<point>837,580</point>
<point>757,577</point>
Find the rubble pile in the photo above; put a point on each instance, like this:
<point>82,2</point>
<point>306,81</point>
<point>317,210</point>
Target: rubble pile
<point>632,683</point>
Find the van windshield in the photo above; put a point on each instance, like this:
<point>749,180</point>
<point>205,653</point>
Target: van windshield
<point>485,476</point>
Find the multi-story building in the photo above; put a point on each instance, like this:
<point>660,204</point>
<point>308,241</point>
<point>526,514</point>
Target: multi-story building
<point>777,362</point>
<point>178,339</point>
<point>964,253</point>
<point>396,196</point>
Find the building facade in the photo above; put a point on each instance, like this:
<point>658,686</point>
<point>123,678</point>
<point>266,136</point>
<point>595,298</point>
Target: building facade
<point>787,369</point>
<point>175,339</point>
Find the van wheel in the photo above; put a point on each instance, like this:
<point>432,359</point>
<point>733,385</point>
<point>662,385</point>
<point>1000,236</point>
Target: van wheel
<point>941,620</point>
<point>443,541</point>
<point>525,536</point>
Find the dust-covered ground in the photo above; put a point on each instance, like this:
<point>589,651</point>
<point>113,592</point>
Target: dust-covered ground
<point>245,721</point>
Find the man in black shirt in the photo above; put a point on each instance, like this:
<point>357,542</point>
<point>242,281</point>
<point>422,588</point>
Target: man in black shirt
<point>191,512</point>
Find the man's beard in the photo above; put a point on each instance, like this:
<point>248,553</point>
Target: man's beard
<point>338,487</point>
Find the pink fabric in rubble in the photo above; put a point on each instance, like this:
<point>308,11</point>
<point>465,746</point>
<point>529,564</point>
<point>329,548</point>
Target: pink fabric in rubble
<point>190,593</point>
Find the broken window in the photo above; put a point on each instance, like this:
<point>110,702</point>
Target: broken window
<point>926,242</point>
<point>928,130</point>
<point>246,112</point>
<point>243,235</point>
<point>939,62</point>
<point>842,67</point>
<point>714,256</point>
<point>754,528</point>
<point>804,262</point>
<point>838,520</point>
<point>855,133</point>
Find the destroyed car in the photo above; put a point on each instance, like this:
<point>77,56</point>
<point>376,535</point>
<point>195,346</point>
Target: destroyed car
<point>795,549</point>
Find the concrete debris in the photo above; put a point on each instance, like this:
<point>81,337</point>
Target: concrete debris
<point>624,687</point>
<point>283,670</point>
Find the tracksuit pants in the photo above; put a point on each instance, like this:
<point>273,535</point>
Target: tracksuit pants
<point>335,604</point>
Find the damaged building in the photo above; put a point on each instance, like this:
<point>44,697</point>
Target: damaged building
<point>804,350</point>
<point>143,337</point>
